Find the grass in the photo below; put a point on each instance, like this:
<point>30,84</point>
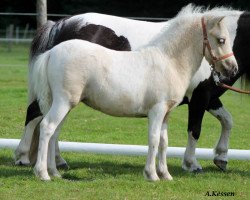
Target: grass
<point>114,177</point>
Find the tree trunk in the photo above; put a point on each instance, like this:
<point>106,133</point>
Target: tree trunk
<point>41,9</point>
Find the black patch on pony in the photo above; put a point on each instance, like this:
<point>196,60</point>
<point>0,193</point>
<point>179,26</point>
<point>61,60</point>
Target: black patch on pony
<point>93,33</point>
<point>53,33</point>
<point>33,111</point>
<point>241,47</point>
<point>197,105</point>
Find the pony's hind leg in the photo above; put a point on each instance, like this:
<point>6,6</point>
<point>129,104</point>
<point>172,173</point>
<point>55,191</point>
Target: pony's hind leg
<point>52,167</point>
<point>60,162</point>
<point>221,149</point>
<point>162,169</point>
<point>48,126</point>
<point>33,117</point>
<point>156,116</point>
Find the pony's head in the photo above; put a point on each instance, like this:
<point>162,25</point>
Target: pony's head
<point>216,45</point>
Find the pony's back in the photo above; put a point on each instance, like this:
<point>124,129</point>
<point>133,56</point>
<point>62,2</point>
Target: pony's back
<point>112,32</point>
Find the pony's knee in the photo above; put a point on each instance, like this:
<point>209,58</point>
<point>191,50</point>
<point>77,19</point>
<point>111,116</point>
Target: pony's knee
<point>195,132</point>
<point>224,117</point>
<point>47,129</point>
<point>227,121</point>
<point>163,141</point>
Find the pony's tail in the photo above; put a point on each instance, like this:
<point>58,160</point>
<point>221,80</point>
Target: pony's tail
<point>38,82</point>
<point>42,40</point>
<point>245,82</point>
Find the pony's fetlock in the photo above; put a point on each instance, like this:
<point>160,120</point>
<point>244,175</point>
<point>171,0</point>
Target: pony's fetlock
<point>150,175</point>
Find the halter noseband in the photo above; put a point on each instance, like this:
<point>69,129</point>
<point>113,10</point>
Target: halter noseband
<point>207,44</point>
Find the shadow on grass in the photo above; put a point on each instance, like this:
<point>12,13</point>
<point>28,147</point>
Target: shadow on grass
<point>8,169</point>
<point>235,171</point>
<point>109,169</point>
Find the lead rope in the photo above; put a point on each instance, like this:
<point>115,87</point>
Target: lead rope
<point>225,86</point>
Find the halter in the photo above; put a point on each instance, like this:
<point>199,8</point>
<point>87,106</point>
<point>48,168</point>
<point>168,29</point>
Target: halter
<point>207,44</point>
<point>225,86</point>
<point>216,59</point>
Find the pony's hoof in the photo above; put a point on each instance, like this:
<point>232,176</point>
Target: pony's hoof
<point>43,176</point>
<point>192,167</point>
<point>221,164</point>
<point>165,176</point>
<point>150,176</point>
<point>198,171</point>
<point>54,173</point>
<point>22,163</point>
<point>64,166</point>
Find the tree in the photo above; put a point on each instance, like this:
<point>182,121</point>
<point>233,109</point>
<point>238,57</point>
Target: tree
<point>41,9</point>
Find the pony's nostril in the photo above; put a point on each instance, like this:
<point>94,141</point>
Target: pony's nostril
<point>232,67</point>
<point>235,70</point>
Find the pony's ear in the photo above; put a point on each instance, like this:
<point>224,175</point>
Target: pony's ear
<point>216,20</point>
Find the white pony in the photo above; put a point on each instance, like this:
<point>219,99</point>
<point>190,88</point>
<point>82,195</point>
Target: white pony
<point>148,82</point>
<point>138,33</point>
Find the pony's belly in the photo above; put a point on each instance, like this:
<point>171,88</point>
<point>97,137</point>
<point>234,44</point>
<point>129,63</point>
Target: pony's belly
<point>121,106</point>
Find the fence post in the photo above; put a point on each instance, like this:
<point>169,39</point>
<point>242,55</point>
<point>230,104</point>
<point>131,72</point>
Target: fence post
<point>10,36</point>
<point>17,34</point>
<point>41,9</point>
<point>25,31</point>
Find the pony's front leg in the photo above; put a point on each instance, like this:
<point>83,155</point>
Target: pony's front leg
<point>221,149</point>
<point>22,152</point>
<point>162,169</point>
<point>189,162</point>
<point>196,109</point>
<point>47,128</point>
<point>155,116</point>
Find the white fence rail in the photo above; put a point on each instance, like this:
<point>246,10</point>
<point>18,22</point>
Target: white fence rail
<point>130,150</point>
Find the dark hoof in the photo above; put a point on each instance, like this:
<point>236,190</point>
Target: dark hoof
<point>20,163</point>
<point>198,171</point>
<point>222,165</point>
<point>63,166</point>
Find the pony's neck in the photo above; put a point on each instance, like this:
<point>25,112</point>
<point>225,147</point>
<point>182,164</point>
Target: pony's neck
<point>241,41</point>
<point>182,43</point>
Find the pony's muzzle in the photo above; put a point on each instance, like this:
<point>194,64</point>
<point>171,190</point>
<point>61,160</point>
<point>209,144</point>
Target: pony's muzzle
<point>230,67</point>
<point>233,67</point>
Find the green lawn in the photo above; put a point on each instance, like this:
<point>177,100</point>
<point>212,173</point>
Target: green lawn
<point>115,177</point>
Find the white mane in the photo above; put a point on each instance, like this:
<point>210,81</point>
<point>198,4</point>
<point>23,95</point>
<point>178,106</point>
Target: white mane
<point>176,31</point>
<point>172,28</point>
<point>191,9</point>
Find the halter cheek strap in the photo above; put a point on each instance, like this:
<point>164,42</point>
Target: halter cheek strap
<point>207,45</point>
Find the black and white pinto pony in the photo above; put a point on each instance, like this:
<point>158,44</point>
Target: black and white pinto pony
<point>126,34</point>
<point>149,82</point>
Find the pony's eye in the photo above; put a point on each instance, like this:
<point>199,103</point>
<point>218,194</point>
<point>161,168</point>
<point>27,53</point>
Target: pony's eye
<point>221,41</point>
